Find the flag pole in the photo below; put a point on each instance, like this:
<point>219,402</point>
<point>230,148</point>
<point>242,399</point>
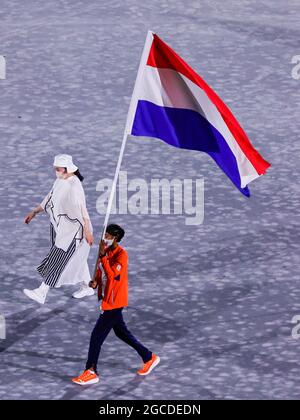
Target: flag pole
<point>127,131</point>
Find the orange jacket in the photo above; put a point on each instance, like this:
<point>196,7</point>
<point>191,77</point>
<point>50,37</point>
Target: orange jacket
<point>115,266</point>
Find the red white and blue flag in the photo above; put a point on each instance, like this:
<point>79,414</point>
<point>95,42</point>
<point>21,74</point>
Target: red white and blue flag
<point>173,103</point>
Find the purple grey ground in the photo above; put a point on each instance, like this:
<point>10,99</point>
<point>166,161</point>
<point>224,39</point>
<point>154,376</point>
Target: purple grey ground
<point>214,301</point>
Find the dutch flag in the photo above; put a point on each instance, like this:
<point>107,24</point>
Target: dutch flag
<point>173,103</point>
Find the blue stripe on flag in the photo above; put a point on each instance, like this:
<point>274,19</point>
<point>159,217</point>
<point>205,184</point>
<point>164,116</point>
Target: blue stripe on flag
<point>186,129</point>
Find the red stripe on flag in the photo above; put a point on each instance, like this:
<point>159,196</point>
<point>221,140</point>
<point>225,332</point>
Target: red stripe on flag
<point>162,56</point>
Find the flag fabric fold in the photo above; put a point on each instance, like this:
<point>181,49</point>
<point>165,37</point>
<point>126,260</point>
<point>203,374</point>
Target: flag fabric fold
<point>173,103</point>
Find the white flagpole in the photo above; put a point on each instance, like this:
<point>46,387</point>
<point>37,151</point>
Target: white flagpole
<point>127,130</point>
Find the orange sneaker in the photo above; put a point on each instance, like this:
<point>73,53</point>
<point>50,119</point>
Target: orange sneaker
<point>88,377</point>
<point>149,366</point>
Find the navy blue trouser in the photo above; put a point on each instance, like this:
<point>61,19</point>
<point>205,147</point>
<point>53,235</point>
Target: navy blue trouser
<point>108,320</point>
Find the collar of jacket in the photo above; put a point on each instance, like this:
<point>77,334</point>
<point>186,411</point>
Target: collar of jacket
<point>111,251</point>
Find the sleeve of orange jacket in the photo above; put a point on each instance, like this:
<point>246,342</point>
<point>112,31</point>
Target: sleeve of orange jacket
<point>115,269</point>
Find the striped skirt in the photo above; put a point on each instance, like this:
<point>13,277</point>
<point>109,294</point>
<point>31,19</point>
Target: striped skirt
<point>55,262</point>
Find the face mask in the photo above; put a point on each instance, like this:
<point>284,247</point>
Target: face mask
<point>108,242</point>
<point>60,175</point>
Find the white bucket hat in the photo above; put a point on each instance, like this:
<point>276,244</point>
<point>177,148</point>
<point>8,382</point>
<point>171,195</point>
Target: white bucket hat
<point>65,161</point>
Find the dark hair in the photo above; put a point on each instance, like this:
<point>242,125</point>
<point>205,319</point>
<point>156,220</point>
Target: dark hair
<point>115,230</point>
<point>78,174</point>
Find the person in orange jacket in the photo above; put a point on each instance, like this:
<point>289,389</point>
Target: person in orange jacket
<point>112,282</point>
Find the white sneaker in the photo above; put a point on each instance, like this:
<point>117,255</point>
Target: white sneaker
<point>36,295</point>
<point>84,291</point>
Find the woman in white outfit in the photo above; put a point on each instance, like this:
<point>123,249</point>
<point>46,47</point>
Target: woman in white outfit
<point>71,233</point>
